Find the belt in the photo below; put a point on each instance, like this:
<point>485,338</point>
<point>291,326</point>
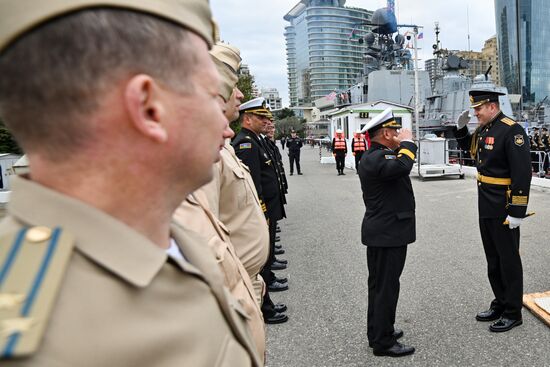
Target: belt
<point>494,180</point>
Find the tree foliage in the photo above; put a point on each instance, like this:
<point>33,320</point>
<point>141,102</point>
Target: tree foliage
<point>284,113</point>
<point>7,141</point>
<point>285,125</point>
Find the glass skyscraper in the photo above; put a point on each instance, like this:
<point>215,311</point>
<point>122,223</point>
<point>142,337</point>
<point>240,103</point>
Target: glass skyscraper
<point>523,33</point>
<point>324,54</point>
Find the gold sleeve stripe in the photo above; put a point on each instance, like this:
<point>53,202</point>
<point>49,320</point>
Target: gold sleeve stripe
<point>407,152</point>
<point>519,200</point>
<point>508,121</point>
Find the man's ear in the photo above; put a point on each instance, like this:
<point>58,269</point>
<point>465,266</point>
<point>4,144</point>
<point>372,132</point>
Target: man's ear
<point>145,107</point>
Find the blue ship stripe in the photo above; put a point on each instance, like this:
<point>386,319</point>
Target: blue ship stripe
<point>13,339</point>
<point>4,270</point>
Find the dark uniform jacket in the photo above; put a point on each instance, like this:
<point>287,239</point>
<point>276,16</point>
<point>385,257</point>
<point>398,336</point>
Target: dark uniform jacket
<point>389,219</point>
<point>501,153</point>
<point>294,144</point>
<point>273,149</point>
<point>252,151</point>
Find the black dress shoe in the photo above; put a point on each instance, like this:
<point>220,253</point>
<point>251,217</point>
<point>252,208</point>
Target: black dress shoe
<point>489,315</point>
<point>281,280</point>
<point>278,229</point>
<point>504,324</point>
<point>277,287</point>
<point>277,318</point>
<point>279,251</point>
<point>396,350</point>
<point>277,246</point>
<point>291,173</point>
<point>277,266</point>
<point>279,307</point>
<point>277,238</point>
<point>343,173</point>
<point>300,173</point>
<point>397,334</point>
<point>282,261</point>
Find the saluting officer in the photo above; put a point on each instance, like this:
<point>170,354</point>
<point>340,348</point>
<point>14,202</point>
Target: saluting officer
<point>294,144</point>
<point>252,150</point>
<point>500,148</point>
<point>93,272</point>
<point>388,226</point>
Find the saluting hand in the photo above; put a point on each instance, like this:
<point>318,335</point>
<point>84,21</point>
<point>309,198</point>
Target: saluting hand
<point>404,134</point>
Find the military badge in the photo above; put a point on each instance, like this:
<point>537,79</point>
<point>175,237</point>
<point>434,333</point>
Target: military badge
<point>518,140</point>
<point>245,146</point>
<point>471,99</point>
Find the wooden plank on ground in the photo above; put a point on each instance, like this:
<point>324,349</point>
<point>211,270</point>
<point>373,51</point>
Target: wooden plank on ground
<point>529,302</point>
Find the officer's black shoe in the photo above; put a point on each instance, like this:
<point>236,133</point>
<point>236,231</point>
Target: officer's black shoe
<point>279,251</point>
<point>489,315</point>
<point>277,318</point>
<point>277,229</point>
<point>280,280</point>
<point>292,173</point>
<point>277,246</point>
<point>343,174</point>
<point>277,287</point>
<point>300,173</point>
<point>397,334</point>
<point>504,324</point>
<point>279,307</point>
<point>278,266</point>
<point>282,261</point>
<point>277,238</point>
<point>396,350</point>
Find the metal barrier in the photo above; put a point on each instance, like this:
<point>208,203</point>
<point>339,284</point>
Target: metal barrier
<point>541,162</point>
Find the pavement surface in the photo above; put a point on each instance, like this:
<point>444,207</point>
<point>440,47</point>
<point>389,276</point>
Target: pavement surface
<point>443,286</point>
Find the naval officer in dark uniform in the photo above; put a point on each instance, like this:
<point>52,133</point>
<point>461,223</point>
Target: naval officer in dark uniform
<point>252,149</point>
<point>294,144</point>
<point>500,148</point>
<point>388,226</point>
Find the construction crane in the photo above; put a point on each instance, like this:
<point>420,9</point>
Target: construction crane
<point>391,5</point>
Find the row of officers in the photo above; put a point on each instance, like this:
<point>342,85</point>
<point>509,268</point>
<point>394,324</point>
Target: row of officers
<point>139,235</point>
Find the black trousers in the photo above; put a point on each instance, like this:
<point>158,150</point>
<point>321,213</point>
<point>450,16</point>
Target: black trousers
<point>358,156</point>
<point>340,161</point>
<point>294,157</point>
<point>385,266</point>
<point>501,245</point>
<point>266,273</point>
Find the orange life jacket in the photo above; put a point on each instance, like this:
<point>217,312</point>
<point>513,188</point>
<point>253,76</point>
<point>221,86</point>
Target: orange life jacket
<point>339,143</point>
<point>359,144</point>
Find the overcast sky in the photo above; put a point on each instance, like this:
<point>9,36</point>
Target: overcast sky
<point>256,27</point>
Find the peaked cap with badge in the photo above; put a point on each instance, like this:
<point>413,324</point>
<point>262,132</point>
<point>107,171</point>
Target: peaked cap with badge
<point>479,97</point>
<point>383,119</point>
<point>257,106</point>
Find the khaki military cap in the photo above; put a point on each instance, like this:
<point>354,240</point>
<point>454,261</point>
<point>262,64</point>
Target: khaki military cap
<point>228,79</point>
<point>227,54</point>
<point>19,16</point>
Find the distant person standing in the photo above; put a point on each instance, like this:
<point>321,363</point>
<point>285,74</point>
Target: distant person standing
<point>294,144</point>
<point>388,226</point>
<point>358,147</point>
<point>283,141</point>
<point>339,151</point>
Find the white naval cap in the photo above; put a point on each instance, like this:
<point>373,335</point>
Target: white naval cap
<point>383,119</point>
<point>257,106</point>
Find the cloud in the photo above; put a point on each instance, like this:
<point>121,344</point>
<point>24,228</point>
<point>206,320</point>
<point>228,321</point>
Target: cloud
<point>257,29</point>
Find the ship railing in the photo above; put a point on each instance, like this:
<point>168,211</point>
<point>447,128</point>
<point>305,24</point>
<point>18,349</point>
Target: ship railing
<point>539,162</point>
<point>461,157</point>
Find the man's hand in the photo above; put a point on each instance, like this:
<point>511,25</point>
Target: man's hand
<point>463,119</point>
<point>513,222</point>
<point>404,134</point>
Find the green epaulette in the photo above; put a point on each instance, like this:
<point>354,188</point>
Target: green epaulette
<point>32,264</point>
<point>508,121</point>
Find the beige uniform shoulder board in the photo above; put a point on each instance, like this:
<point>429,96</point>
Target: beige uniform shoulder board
<point>32,264</point>
<point>508,121</point>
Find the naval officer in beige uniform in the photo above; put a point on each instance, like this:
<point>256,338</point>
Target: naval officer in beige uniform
<point>194,214</point>
<point>109,100</point>
<point>232,194</point>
